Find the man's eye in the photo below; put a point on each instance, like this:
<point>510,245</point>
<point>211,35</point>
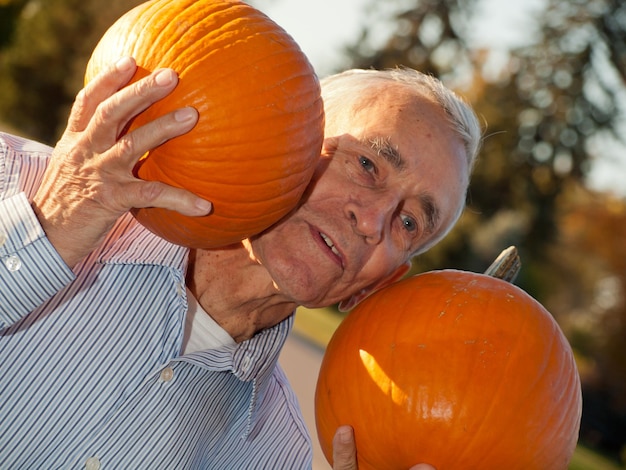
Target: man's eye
<point>409,223</point>
<point>367,164</point>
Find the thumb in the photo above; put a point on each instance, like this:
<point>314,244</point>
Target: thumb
<point>344,449</point>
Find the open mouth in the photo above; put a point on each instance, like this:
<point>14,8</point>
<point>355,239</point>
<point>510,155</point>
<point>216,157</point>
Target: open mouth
<point>330,244</point>
<point>325,242</point>
<point>333,248</point>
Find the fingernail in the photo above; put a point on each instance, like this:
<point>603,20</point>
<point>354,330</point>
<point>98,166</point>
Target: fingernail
<point>165,77</point>
<point>345,435</point>
<point>124,64</point>
<point>185,114</point>
<point>204,206</point>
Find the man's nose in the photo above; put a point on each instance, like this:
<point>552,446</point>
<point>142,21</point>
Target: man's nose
<point>370,216</point>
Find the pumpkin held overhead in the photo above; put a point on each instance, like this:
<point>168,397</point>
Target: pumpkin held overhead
<point>261,119</point>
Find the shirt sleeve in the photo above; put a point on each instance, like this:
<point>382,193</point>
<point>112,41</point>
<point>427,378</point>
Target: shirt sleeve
<point>31,271</point>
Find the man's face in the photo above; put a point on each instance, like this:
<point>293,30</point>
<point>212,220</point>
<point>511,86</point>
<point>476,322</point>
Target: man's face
<point>391,178</point>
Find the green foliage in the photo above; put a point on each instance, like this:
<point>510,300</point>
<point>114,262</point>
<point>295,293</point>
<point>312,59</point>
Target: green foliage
<point>586,459</point>
<point>9,11</point>
<point>43,53</point>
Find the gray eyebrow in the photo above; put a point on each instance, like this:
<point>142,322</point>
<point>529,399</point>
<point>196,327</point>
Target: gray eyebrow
<point>389,152</point>
<point>431,211</point>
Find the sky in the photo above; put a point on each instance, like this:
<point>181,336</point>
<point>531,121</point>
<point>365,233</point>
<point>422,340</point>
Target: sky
<point>320,27</point>
<point>323,27</point>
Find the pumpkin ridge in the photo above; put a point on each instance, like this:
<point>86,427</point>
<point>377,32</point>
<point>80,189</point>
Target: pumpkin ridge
<point>549,432</point>
<point>187,13</point>
<point>236,21</point>
<point>456,330</point>
<point>204,50</point>
<point>197,32</point>
<point>539,317</point>
<point>562,420</point>
<point>470,434</point>
<point>225,154</point>
<point>277,186</point>
<point>487,413</point>
<point>223,38</point>
<point>151,13</point>
<point>253,91</point>
<point>566,422</point>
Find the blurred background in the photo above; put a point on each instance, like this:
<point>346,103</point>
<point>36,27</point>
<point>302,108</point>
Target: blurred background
<point>548,77</point>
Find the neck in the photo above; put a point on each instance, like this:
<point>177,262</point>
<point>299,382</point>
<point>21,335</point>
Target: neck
<point>236,290</point>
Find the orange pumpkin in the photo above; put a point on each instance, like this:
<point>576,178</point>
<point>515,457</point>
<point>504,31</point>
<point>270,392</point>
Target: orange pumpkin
<point>455,369</point>
<point>260,128</point>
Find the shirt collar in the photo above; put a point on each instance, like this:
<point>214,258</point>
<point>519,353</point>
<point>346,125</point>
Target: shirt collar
<point>253,361</point>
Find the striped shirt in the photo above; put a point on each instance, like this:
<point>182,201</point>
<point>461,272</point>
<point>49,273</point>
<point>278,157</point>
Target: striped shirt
<point>91,374</point>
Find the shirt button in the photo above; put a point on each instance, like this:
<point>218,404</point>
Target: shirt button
<point>92,463</point>
<point>180,289</point>
<point>13,263</point>
<point>167,374</point>
<point>245,363</point>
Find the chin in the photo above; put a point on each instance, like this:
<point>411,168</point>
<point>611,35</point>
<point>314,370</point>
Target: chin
<point>306,293</point>
<point>319,299</point>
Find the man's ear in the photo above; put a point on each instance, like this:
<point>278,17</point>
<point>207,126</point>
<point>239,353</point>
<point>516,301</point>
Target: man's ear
<point>352,301</point>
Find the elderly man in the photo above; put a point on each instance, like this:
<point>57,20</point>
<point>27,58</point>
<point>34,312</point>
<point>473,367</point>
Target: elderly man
<point>121,350</point>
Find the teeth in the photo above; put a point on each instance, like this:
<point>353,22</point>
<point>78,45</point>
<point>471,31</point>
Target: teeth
<point>330,244</point>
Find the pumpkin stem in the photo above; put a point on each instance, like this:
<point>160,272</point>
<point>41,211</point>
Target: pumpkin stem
<point>506,266</point>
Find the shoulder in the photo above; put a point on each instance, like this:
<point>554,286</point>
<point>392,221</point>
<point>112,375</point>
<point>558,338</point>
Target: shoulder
<point>22,164</point>
<point>22,145</point>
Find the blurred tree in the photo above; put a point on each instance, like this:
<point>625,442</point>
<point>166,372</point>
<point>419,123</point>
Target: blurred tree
<point>590,286</point>
<point>44,48</point>
<point>427,34</point>
<point>548,108</point>
<point>9,11</point>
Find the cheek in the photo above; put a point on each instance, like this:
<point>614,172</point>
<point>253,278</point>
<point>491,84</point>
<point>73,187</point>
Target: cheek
<point>325,192</point>
<point>383,262</point>
<point>321,181</point>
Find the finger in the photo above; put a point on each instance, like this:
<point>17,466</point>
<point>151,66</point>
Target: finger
<point>422,466</point>
<point>99,89</point>
<point>114,114</point>
<point>142,194</point>
<point>133,145</point>
<point>344,449</point>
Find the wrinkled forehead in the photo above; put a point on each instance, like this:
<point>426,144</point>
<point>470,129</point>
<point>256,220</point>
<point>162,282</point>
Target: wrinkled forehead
<point>345,105</point>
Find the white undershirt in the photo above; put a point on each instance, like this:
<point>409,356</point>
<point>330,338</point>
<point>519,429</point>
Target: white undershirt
<point>201,331</point>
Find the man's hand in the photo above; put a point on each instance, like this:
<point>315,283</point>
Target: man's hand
<point>89,182</point>
<point>344,451</point>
